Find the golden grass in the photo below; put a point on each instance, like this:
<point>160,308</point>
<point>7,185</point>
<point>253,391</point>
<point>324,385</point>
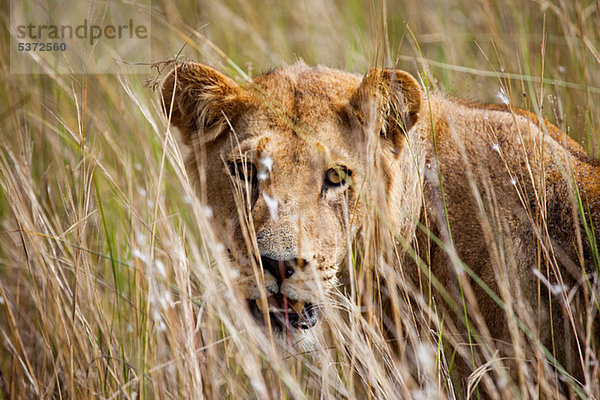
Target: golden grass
<point>112,283</point>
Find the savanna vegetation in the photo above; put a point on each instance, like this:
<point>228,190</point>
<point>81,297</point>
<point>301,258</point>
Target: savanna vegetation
<point>112,284</point>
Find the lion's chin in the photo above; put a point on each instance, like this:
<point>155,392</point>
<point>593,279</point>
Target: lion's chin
<point>284,313</point>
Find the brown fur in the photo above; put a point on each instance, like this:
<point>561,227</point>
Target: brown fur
<point>499,178</point>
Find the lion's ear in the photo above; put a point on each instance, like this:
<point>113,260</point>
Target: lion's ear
<point>389,100</point>
<point>198,99</point>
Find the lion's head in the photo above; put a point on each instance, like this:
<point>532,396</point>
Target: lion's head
<point>289,163</point>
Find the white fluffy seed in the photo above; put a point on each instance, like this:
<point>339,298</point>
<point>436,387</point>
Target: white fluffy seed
<point>271,205</point>
<point>267,162</point>
<point>502,96</point>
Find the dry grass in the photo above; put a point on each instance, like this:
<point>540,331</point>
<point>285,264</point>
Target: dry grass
<point>112,284</point>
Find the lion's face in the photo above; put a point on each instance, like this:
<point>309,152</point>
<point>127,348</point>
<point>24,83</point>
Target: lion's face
<point>282,165</point>
<point>300,197</point>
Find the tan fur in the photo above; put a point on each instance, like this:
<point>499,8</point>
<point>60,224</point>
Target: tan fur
<point>501,177</point>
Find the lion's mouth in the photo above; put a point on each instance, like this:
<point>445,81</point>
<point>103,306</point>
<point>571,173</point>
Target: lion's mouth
<point>285,312</point>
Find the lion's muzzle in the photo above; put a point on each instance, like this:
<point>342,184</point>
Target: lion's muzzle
<point>284,311</point>
<point>281,269</point>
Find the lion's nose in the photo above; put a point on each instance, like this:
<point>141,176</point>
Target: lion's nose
<point>281,269</point>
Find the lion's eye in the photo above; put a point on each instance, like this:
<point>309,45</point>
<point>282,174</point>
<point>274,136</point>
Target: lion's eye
<point>243,171</point>
<point>337,176</point>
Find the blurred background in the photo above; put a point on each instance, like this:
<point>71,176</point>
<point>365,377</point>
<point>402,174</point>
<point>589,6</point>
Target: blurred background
<point>471,48</point>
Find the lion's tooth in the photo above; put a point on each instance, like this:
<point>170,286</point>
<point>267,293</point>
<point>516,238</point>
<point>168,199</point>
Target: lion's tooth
<point>278,304</point>
<point>262,305</point>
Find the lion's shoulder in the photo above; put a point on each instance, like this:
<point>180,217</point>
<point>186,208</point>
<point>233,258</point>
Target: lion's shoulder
<point>500,112</point>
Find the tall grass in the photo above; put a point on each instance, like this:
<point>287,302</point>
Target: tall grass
<point>112,283</point>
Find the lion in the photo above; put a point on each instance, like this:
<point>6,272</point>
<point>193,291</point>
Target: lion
<point>299,162</point>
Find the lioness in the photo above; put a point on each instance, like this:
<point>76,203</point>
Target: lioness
<point>304,159</point>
